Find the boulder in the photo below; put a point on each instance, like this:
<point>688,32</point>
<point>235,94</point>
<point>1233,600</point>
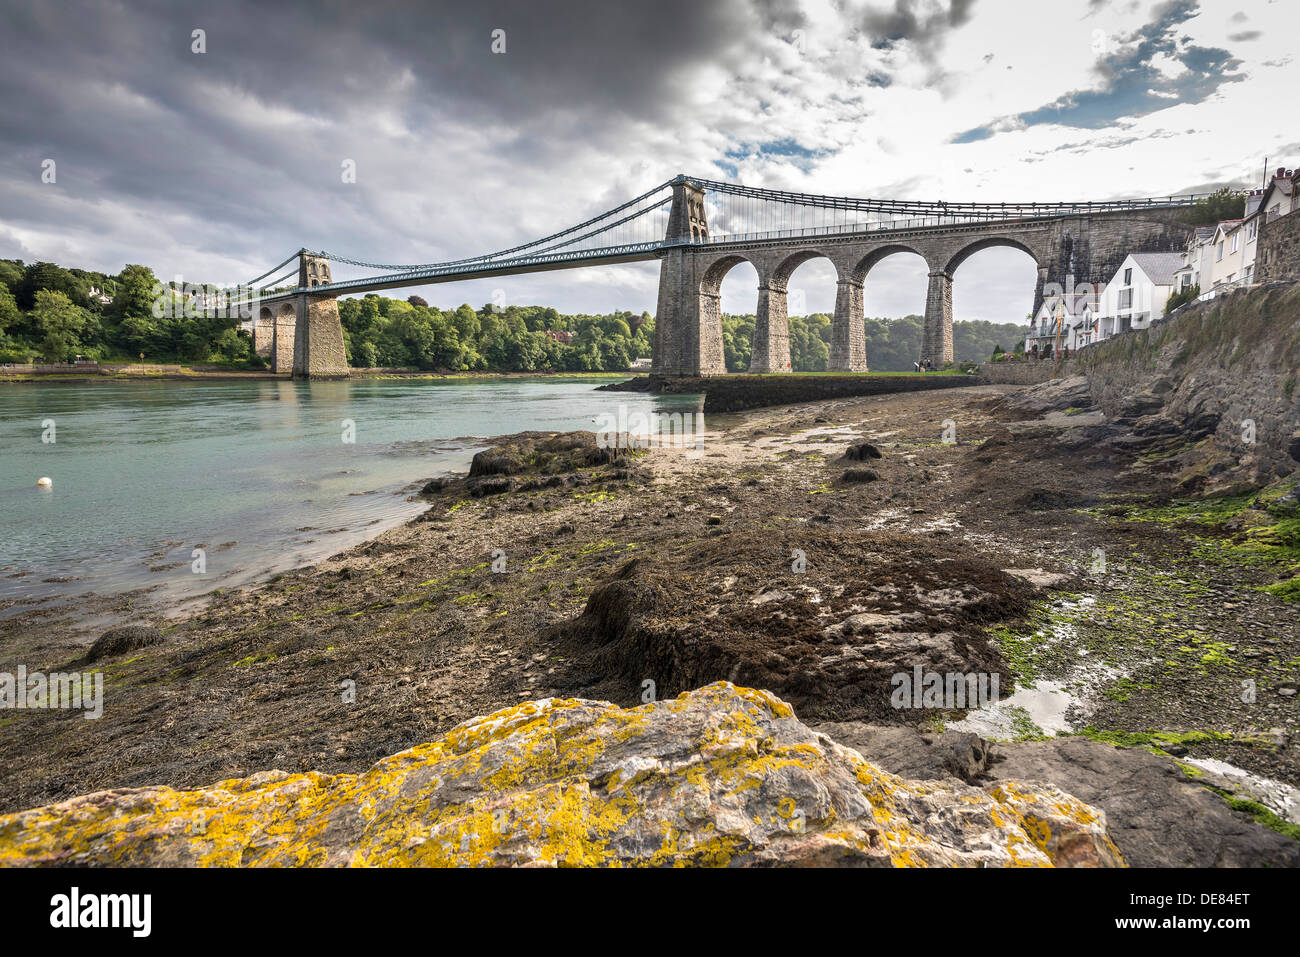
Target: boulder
<point>720,776</point>
<point>862,452</point>
<point>1157,816</point>
<point>860,476</point>
<point>118,641</point>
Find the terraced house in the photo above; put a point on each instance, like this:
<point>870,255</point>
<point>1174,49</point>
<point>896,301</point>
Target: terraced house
<point>1136,295</point>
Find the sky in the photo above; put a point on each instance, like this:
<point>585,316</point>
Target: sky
<point>214,165</point>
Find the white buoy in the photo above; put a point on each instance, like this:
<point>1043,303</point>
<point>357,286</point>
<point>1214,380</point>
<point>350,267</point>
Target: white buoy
<point>44,483</point>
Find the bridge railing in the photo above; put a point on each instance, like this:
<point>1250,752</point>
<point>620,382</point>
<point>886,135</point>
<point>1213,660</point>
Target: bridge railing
<point>903,225</point>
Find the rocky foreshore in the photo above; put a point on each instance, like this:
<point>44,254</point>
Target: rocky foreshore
<point>815,552</point>
<point>721,776</point>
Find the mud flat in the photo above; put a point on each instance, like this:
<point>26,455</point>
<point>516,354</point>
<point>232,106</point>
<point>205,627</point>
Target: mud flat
<point>814,551</point>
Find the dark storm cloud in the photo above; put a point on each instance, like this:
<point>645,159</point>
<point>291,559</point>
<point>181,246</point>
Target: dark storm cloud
<point>236,137</point>
<point>919,24</point>
<point>1132,84</point>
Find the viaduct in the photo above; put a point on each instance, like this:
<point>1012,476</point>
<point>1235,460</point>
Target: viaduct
<point>1081,242</point>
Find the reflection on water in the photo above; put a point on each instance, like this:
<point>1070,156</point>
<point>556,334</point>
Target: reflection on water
<point>257,474</point>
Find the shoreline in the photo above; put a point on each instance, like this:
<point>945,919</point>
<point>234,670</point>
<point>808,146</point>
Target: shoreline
<point>261,376</point>
<point>674,566</point>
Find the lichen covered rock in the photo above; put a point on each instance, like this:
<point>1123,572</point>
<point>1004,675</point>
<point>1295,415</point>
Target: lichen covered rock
<point>720,776</point>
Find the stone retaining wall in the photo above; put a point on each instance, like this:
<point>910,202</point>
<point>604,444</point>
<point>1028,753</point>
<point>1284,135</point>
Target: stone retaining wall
<point>1027,372</point>
<point>736,392</point>
<point>1279,249</point>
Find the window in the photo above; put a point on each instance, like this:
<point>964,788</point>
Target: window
<point>1126,299</point>
<point>1128,277</point>
<point>1236,239</point>
<point>1220,255</point>
<point>1254,228</point>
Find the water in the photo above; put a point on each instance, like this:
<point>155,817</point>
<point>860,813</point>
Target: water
<point>256,473</point>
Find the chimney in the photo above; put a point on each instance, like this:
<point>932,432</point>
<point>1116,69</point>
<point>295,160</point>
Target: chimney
<point>1281,173</point>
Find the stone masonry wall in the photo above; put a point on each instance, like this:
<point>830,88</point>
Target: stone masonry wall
<point>735,392</point>
<point>1279,249</point>
<point>1209,372</point>
<point>1027,372</point>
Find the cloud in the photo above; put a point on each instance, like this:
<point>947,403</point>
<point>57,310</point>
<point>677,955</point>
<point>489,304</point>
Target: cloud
<point>1154,68</point>
<point>921,24</point>
<point>215,166</point>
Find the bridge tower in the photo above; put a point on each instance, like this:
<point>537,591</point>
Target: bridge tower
<point>688,324</point>
<point>318,351</point>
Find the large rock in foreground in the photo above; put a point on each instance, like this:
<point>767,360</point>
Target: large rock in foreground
<point>719,776</point>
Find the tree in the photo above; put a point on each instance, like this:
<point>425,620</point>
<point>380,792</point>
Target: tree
<point>40,276</point>
<point>11,274</point>
<point>1176,299</point>
<point>1215,208</point>
<point>59,323</point>
<point>467,324</point>
<point>9,314</point>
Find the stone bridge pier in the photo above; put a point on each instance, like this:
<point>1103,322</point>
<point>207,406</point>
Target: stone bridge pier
<point>688,322</point>
<point>307,336</point>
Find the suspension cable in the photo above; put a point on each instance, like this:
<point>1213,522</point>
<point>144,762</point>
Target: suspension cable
<point>252,282</point>
<point>500,253</point>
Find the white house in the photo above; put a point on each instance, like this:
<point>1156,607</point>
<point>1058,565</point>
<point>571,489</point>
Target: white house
<point>1136,296</point>
<point>1280,196</point>
<point>1225,262</point>
<point>1064,320</point>
<point>1236,243</point>
<point>1196,262</point>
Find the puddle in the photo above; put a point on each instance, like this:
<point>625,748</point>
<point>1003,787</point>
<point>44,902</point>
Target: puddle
<point>1282,799</point>
<point>1042,707</point>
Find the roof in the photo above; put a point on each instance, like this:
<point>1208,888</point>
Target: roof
<point>1160,268</point>
<point>1283,185</point>
<point>1205,233</point>
<point>1075,303</point>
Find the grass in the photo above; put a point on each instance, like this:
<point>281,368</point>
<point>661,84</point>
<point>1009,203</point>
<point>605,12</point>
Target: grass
<point>1260,813</point>
<point>1268,535</point>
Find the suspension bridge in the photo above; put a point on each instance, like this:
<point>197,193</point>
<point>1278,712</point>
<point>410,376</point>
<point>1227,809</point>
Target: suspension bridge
<point>699,229</point>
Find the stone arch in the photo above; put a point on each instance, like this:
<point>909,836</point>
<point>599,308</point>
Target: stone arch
<point>782,272</point>
<point>989,242</point>
<point>936,338</point>
<point>712,354</point>
<point>771,347</point>
<point>264,332</point>
<point>711,281</point>
<point>858,274</point>
<point>286,329</point>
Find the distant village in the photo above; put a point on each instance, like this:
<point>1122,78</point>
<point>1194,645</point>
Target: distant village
<point>1218,259</point>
